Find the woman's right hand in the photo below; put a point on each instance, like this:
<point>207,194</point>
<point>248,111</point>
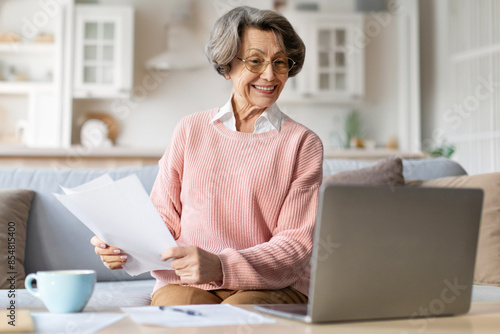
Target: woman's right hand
<point>112,257</point>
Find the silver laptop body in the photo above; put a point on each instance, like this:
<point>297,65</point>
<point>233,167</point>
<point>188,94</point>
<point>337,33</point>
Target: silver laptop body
<point>385,252</point>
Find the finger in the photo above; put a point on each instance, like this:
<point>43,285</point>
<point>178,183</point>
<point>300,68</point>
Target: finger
<point>179,264</point>
<point>95,241</point>
<point>182,274</point>
<point>108,251</point>
<point>114,258</point>
<point>173,252</point>
<point>113,265</point>
<point>189,279</point>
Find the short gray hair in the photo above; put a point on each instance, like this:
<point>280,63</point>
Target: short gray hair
<point>225,38</point>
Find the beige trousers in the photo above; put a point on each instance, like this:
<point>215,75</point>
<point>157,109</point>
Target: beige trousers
<point>174,294</point>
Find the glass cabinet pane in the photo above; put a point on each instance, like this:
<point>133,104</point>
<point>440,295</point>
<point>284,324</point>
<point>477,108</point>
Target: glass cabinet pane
<point>340,37</point>
<point>340,59</point>
<point>340,81</point>
<point>324,59</point>
<point>107,52</point>
<point>107,74</point>
<point>89,74</point>
<point>91,30</point>
<point>99,52</point>
<point>90,52</point>
<point>324,38</point>
<point>109,31</point>
<point>324,81</point>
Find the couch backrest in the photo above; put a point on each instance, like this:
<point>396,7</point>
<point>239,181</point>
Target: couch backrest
<point>55,238</point>
<point>413,169</point>
<point>58,240</point>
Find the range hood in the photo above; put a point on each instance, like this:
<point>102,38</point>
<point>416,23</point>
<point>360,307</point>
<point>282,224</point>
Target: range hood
<point>183,51</point>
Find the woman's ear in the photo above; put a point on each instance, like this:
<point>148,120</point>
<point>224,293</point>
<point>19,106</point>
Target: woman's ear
<point>227,76</point>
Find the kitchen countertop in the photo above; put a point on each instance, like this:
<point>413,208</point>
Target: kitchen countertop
<point>18,151</point>
<point>370,154</point>
<point>80,151</point>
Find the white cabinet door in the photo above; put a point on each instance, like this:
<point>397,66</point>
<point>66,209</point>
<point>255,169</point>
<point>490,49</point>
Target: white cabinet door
<point>44,127</point>
<point>333,71</point>
<point>103,51</point>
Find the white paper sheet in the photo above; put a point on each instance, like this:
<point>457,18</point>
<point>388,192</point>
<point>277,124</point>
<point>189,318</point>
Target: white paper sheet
<point>211,315</point>
<point>82,323</point>
<point>122,215</point>
<point>101,181</point>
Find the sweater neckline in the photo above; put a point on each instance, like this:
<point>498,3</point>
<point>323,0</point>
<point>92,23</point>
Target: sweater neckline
<point>248,136</point>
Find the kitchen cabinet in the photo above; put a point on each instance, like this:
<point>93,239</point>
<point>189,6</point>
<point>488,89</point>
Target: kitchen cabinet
<point>333,71</point>
<point>89,54</point>
<point>103,51</point>
<point>30,78</point>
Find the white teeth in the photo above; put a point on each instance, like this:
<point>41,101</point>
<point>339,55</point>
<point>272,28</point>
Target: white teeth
<point>264,88</point>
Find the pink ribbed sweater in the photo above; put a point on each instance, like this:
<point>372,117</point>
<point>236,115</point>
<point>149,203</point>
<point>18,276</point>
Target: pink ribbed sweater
<point>250,198</point>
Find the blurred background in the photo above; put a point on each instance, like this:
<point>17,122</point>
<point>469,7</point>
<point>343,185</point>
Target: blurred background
<point>93,82</point>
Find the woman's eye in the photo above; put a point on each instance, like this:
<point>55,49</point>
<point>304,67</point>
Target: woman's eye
<point>254,61</point>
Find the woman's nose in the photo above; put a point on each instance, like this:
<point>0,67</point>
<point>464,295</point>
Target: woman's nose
<point>268,73</point>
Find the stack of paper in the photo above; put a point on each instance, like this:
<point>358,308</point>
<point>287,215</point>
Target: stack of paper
<point>122,215</point>
<point>207,315</point>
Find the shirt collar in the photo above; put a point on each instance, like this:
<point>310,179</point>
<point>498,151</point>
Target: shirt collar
<point>226,116</point>
<point>271,118</point>
<point>273,115</point>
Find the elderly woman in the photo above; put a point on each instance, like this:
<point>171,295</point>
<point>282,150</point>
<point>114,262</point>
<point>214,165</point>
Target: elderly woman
<point>238,185</point>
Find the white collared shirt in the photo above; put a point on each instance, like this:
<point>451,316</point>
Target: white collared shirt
<point>271,119</point>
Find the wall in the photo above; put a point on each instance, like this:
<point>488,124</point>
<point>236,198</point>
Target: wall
<point>460,61</point>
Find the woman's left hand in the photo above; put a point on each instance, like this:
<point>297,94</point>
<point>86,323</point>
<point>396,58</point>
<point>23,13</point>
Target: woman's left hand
<point>193,265</point>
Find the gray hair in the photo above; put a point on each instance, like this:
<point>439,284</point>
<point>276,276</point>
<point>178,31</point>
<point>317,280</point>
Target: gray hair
<point>225,38</point>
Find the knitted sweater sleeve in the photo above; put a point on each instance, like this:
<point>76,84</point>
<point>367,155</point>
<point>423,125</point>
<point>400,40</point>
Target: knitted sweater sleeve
<point>282,260</point>
<point>165,194</point>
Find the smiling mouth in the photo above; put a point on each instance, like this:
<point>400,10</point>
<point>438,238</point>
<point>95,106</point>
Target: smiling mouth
<point>265,88</point>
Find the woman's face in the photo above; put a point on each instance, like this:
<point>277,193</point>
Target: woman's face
<point>256,90</point>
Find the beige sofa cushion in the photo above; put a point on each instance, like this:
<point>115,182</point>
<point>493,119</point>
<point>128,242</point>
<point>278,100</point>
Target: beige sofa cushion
<point>487,270</point>
<point>14,209</point>
<point>388,171</point>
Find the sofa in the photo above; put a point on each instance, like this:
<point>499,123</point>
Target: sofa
<point>55,239</point>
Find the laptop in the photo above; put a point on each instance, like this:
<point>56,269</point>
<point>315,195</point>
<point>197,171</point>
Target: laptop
<point>385,252</point>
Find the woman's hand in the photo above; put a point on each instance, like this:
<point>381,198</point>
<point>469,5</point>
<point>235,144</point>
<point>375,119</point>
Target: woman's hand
<point>194,265</point>
<point>112,257</point>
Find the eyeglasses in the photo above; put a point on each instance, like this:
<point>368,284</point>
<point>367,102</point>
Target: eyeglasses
<point>258,64</point>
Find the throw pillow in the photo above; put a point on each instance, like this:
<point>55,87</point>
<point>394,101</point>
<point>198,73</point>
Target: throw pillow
<point>14,209</point>
<point>487,270</point>
<point>388,171</point>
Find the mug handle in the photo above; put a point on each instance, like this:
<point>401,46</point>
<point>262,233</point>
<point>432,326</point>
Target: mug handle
<point>27,283</point>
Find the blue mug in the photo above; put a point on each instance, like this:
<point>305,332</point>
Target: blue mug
<point>62,291</point>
